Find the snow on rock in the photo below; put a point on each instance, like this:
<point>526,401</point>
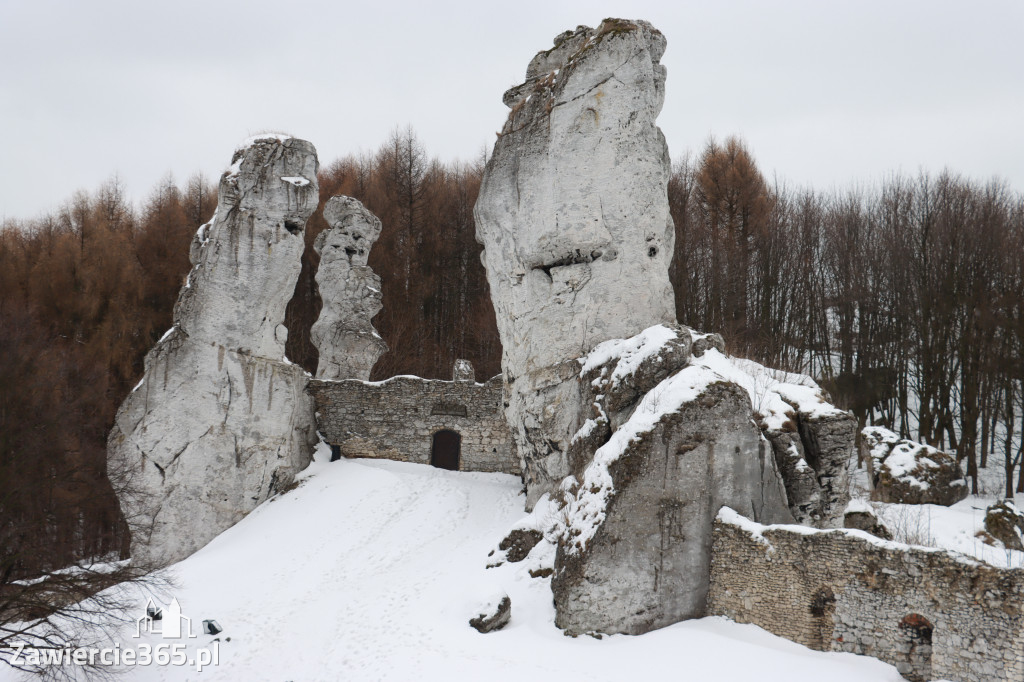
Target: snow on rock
<point>618,373</point>
<point>532,539</point>
<point>859,515</point>
<point>912,473</point>
<point>634,551</point>
<point>628,355</point>
<point>1005,522</point>
<point>813,440</point>
<point>348,344</point>
<point>375,567</point>
<point>219,423</point>
<point>261,137</point>
<point>493,616</point>
<point>573,216</point>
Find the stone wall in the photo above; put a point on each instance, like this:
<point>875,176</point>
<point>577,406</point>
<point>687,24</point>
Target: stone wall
<point>933,614</point>
<point>397,419</point>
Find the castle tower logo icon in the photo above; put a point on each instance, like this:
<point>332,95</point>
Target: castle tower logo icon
<point>166,621</point>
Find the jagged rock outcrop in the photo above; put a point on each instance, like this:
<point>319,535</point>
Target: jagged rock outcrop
<point>573,215</point>
<point>348,344</point>
<point>221,420</point>
<point>642,427</point>
<point>813,441</point>
<point>911,473</point>
<point>1005,522</point>
<point>676,441</point>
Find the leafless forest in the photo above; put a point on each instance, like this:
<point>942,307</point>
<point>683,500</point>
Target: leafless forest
<point>905,299</point>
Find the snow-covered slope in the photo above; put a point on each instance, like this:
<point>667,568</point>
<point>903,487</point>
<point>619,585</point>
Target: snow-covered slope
<point>371,569</point>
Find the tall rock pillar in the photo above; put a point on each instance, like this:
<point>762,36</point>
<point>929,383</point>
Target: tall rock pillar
<point>573,215</point>
<point>343,334</point>
<point>221,420</point>
<point>634,424</point>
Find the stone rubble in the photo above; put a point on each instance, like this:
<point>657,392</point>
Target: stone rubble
<point>494,617</point>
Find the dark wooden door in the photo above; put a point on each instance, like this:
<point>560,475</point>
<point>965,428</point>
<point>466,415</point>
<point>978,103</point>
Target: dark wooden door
<point>445,451</point>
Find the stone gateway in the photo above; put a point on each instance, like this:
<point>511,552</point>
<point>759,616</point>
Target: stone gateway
<point>456,424</point>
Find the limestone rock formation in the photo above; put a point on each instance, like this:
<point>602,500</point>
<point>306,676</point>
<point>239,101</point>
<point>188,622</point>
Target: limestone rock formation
<point>221,420</point>
<point>463,370</point>
<point>573,215</point>
<point>1005,522</point>
<point>349,346</point>
<point>676,441</point>
<point>642,427</point>
<point>247,258</point>
<point>912,473</point>
<point>813,441</point>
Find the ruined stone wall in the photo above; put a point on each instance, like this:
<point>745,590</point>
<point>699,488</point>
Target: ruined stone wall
<point>931,613</point>
<point>397,419</point>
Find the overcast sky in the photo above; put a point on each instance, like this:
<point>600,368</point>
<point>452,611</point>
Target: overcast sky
<point>825,93</point>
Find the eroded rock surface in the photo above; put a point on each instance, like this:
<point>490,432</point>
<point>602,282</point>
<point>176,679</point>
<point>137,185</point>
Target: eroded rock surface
<point>1005,522</point>
<point>670,439</point>
<point>912,473</point>
<point>573,215</point>
<point>247,258</point>
<point>519,542</point>
<point>813,441</point>
<point>635,551</point>
<point>642,427</point>
<point>348,344</point>
<point>221,421</point>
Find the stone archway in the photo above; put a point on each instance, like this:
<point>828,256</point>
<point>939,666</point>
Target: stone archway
<point>916,665</point>
<point>446,449</point>
<point>823,606</point>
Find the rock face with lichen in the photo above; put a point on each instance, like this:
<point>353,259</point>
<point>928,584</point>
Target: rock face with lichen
<point>343,334</point>
<point>573,215</point>
<point>221,420</point>
<point>670,439</point>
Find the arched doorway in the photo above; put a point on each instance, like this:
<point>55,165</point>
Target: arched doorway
<point>444,453</point>
<point>823,606</point>
<point>917,665</point>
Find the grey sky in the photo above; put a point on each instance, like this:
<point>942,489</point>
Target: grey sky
<point>825,93</point>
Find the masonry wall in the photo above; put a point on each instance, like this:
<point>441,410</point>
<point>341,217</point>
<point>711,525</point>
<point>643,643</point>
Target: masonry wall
<point>397,419</point>
<point>846,591</point>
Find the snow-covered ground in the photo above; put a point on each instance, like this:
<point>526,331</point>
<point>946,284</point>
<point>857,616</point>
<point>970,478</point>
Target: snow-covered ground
<point>371,570</point>
<point>954,528</point>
